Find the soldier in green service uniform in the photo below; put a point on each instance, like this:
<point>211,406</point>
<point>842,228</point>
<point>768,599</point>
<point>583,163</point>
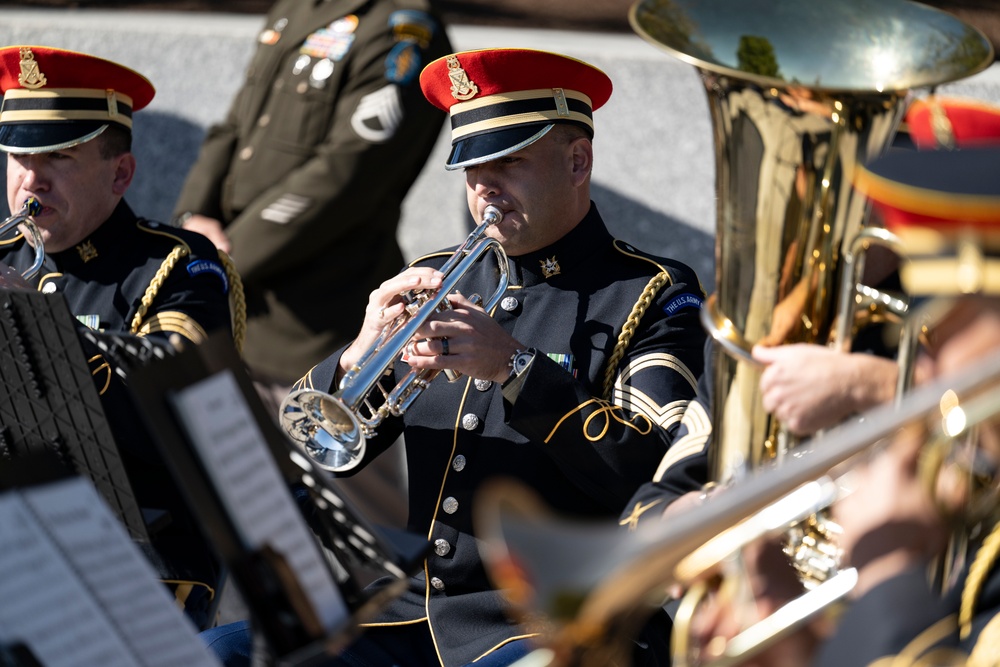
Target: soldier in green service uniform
<point>302,182</point>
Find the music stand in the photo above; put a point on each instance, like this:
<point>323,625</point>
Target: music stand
<point>48,402</point>
<point>226,454</point>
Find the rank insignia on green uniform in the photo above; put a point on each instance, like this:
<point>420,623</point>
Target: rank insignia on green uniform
<point>55,99</point>
<point>550,267</point>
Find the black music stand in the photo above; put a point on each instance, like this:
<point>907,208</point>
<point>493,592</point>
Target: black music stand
<point>202,408</point>
<point>48,402</point>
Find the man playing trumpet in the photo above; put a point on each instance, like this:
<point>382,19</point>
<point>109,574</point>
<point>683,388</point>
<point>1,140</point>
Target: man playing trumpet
<point>572,385</point>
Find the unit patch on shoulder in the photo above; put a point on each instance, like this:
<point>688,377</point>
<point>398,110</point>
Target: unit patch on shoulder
<point>403,63</point>
<point>682,301</point>
<point>378,114</point>
<point>200,266</point>
<point>412,25</point>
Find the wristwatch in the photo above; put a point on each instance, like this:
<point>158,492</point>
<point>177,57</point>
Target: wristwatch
<point>519,362</point>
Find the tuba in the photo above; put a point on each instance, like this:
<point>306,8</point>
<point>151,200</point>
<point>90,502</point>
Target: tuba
<point>333,429</point>
<point>800,94</point>
<point>26,217</point>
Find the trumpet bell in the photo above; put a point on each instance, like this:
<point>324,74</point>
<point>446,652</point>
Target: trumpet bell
<point>325,428</point>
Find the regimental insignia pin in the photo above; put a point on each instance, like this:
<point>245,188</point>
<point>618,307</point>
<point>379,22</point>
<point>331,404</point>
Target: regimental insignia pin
<point>30,76</point>
<point>87,251</point>
<point>461,87</point>
<point>550,267</point>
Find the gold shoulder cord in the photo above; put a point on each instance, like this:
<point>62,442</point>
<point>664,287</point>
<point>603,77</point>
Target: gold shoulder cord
<point>237,299</point>
<point>628,329</point>
<point>985,559</point>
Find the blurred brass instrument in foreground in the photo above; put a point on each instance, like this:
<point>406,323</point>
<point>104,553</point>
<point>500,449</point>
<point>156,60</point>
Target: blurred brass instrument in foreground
<point>333,428</point>
<point>588,587</point>
<point>799,94</point>
<point>26,218</point>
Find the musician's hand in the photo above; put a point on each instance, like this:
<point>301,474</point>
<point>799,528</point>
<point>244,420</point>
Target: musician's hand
<point>812,387</point>
<point>211,229</point>
<point>889,521</point>
<point>753,587</point>
<point>477,346</point>
<point>385,304</point>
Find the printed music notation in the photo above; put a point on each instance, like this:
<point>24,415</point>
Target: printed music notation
<point>77,591</point>
<point>234,452</point>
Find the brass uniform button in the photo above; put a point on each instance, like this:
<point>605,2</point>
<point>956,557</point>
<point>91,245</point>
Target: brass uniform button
<point>441,547</point>
<point>470,422</point>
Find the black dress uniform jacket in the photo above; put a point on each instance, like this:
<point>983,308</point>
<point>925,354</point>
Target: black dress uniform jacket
<point>551,427</point>
<point>903,622</point>
<point>105,277</point>
<point>309,170</point>
<point>105,280</point>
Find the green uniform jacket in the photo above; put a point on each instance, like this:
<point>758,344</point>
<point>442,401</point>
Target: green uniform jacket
<point>310,167</point>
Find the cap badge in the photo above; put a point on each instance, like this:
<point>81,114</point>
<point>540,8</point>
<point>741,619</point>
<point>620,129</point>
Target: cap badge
<point>31,76</point>
<point>461,87</point>
<point>550,267</point>
<point>87,251</point>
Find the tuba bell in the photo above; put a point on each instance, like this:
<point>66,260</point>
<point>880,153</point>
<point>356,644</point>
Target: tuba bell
<point>26,218</point>
<point>333,429</point>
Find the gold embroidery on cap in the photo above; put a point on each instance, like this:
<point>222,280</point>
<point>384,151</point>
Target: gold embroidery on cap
<point>87,251</point>
<point>112,102</point>
<point>550,267</point>
<point>461,87</point>
<point>31,76</point>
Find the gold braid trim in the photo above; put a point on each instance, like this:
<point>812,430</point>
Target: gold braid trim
<point>236,295</point>
<point>156,283</point>
<point>986,557</point>
<point>628,329</point>
<point>237,301</point>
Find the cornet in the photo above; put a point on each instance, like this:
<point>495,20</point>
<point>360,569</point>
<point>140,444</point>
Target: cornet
<point>333,428</point>
<point>26,217</point>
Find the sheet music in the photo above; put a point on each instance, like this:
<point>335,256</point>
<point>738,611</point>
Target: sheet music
<point>123,582</point>
<point>237,458</point>
<point>58,541</point>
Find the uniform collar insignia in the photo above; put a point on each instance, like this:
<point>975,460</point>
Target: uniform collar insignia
<point>87,251</point>
<point>30,76</point>
<point>550,267</point>
<point>461,87</point>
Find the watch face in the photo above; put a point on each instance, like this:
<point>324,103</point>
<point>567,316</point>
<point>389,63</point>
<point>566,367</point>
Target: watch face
<point>521,361</point>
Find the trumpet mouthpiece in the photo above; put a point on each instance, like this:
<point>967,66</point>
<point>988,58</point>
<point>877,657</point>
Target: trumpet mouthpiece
<point>31,207</point>
<point>492,215</point>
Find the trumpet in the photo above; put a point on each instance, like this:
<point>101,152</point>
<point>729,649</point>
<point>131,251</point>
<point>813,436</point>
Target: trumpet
<point>333,428</point>
<point>26,217</point>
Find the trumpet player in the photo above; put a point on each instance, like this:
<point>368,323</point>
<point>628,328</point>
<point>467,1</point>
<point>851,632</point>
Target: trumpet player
<point>572,385</point>
<point>66,127</point>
